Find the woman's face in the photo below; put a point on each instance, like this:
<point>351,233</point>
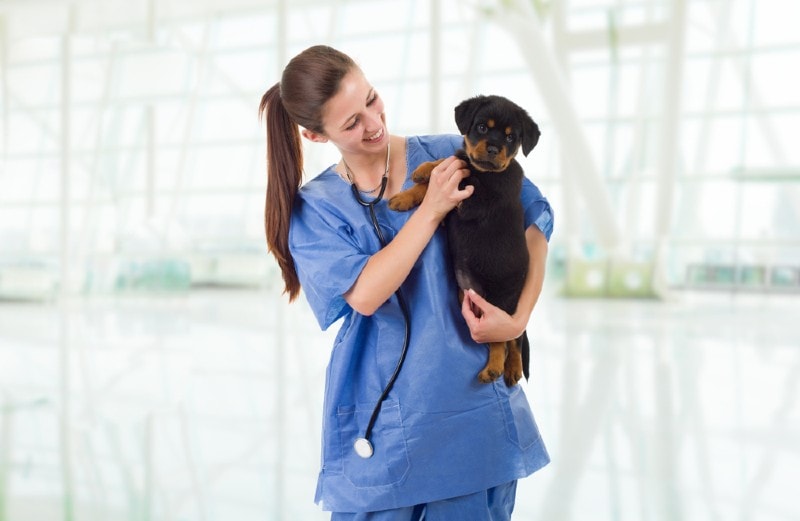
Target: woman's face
<point>353,119</point>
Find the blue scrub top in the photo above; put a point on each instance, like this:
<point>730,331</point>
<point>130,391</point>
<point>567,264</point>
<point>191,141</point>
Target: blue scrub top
<point>440,433</point>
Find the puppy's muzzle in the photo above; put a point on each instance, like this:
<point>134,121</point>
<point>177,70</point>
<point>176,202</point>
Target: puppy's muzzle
<point>488,157</point>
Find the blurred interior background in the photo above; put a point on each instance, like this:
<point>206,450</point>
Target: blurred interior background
<point>151,370</point>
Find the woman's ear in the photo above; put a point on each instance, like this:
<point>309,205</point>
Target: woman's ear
<point>313,136</point>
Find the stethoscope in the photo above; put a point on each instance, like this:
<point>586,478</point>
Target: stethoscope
<point>363,446</point>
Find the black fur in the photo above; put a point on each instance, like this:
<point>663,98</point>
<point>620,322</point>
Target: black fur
<point>486,232</point>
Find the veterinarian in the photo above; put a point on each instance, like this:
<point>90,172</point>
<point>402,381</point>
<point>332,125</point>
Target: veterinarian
<point>442,446</point>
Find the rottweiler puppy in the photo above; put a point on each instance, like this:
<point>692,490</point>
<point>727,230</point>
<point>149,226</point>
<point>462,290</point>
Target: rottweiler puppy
<point>486,232</point>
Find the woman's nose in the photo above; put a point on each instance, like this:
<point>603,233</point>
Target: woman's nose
<point>373,122</point>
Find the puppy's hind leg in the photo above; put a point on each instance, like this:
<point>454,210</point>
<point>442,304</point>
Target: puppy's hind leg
<point>494,367</point>
<point>513,366</point>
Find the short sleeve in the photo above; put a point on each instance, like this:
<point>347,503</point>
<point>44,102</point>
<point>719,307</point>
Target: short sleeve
<point>538,211</point>
<point>327,258</point>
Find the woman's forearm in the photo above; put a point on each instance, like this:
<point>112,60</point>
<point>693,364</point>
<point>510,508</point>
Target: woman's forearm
<point>492,324</point>
<point>388,268</point>
<point>537,251</point>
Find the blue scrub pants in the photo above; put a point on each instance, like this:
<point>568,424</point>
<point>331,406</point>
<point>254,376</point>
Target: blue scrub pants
<point>495,504</point>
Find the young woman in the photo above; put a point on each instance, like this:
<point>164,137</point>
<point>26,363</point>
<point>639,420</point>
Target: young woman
<point>440,444</point>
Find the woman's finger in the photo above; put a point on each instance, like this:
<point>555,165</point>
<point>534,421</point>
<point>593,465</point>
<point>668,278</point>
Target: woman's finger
<point>466,311</point>
<point>444,167</point>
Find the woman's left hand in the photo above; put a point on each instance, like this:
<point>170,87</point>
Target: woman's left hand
<point>488,323</point>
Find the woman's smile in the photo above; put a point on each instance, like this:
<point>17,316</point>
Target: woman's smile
<point>377,136</point>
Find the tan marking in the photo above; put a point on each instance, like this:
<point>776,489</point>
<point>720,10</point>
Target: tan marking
<point>477,152</point>
<point>408,199</point>
<point>423,172</point>
<point>490,123</point>
<point>513,372</point>
<point>496,363</point>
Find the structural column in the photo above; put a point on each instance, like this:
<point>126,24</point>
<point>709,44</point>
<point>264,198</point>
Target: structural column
<point>65,282</point>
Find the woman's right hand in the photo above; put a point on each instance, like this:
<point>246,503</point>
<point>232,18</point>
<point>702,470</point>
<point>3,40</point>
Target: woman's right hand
<point>443,192</point>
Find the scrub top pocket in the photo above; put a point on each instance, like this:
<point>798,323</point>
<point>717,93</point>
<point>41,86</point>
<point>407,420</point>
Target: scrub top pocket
<point>390,463</point>
<point>520,425</point>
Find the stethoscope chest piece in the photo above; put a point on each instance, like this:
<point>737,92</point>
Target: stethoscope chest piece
<point>363,448</point>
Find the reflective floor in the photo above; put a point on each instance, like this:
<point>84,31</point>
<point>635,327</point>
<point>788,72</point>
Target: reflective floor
<point>205,406</point>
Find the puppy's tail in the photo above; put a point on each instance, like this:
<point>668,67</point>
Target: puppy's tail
<point>525,348</point>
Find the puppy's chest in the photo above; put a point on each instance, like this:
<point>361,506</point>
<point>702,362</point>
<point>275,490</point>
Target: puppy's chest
<point>493,192</point>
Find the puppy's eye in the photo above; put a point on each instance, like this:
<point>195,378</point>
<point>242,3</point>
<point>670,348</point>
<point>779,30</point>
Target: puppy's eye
<point>511,138</point>
<point>482,128</point>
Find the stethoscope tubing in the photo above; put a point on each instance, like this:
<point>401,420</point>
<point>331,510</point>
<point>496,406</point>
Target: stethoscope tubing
<point>363,446</point>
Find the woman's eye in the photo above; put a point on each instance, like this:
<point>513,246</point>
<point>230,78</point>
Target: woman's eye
<point>373,100</point>
<point>482,128</point>
<point>351,127</point>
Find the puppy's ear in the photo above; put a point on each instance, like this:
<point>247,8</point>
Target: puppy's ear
<point>466,111</point>
<point>530,134</point>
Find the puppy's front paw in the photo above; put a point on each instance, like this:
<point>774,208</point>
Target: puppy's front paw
<point>402,202</point>
<point>422,173</point>
<point>408,199</point>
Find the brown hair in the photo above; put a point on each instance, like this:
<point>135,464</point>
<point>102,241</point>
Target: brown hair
<point>308,81</point>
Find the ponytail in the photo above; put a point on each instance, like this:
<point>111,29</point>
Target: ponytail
<point>308,81</point>
<point>284,175</point>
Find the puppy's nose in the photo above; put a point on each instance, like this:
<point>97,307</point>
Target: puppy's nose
<point>492,150</point>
